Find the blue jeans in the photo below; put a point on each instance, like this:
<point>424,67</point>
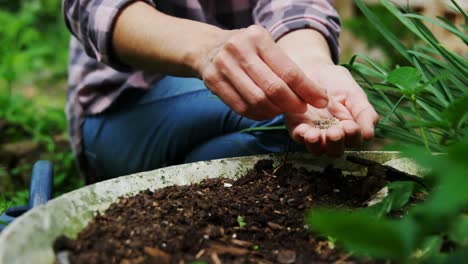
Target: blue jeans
<point>177,121</point>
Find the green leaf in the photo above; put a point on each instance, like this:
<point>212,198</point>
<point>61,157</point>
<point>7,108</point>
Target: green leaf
<point>449,172</point>
<point>459,232</point>
<point>429,248</point>
<point>3,204</point>
<point>458,7</point>
<point>456,111</point>
<point>399,195</point>
<point>364,234</point>
<point>446,26</point>
<point>382,72</point>
<point>384,31</point>
<point>394,108</point>
<point>241,221</point>
<point>363,68</point>
<point>430,109</point>
<point>405,78</point>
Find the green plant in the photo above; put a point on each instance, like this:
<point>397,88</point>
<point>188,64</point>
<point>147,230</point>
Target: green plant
<point>34,53</point>
<point>4,204</point>
<point>361,28</point>
<point>241,221</point>
<point>423,103</point>
<point>420,235</point>
<point>34,42</point>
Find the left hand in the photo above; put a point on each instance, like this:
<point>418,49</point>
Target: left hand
<point>347,102</point>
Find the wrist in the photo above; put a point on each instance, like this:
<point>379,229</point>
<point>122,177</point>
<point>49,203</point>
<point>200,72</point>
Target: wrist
<point>206,48</point>
<point>306,47</point>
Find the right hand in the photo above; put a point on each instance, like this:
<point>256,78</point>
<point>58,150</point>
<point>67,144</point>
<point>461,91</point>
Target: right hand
<point>255,77</point>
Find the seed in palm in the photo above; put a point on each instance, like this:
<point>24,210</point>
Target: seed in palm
<point>325,123</point>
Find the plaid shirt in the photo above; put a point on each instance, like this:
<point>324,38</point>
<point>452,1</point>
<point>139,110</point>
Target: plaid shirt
<point>96,79</point>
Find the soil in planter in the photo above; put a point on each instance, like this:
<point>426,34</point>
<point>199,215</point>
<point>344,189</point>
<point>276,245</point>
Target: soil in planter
<point>258,218</point>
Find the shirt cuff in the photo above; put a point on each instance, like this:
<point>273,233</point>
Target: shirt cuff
<point>101,22</point>
<point>295,23</point>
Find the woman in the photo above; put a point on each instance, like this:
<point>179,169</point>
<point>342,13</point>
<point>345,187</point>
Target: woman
<point>154,83</point>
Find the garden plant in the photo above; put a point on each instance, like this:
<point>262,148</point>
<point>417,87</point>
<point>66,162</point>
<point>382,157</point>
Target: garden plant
<point>33,54</point>
<point>425,103</point>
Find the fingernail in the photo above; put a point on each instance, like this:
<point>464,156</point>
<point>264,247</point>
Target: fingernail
<point>322,103</point>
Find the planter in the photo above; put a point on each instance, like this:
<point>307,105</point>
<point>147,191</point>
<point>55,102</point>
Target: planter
<point>30,238</point>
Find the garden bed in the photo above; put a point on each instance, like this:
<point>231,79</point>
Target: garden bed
<point>258,218</point>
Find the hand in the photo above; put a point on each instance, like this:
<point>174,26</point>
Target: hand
<point>347,102</point>
<point>256,78</point>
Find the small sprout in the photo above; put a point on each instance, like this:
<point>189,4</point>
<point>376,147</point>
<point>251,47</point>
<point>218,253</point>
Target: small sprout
<point>331,242</point>
<point>256,247</point>
<point>241,221</point>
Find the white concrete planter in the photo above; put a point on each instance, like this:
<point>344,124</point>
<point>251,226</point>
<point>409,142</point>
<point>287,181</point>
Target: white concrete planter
<point>29,239</point>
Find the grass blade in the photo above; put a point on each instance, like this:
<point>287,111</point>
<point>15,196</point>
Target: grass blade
<point>389,36</point>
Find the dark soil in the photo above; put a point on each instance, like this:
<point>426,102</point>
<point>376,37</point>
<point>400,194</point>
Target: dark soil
<point>256,219</point>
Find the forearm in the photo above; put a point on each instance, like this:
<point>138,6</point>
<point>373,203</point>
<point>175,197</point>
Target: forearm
<point>306,47</point>
<point>149,40</point>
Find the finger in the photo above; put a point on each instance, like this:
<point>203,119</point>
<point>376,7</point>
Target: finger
<point>291,74</point>
<point>297,134</point>
<point>353,137</point>
<point>335,138</point>
<point>275,88</point>
<point>363,112</point>
<point>257,100</point>
<point>338,110</point>
<point>313,141</point>
<point>367,119</point>
<point>224,90</point>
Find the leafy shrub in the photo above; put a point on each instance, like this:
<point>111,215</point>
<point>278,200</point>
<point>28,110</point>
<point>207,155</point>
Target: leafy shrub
<point>424,103</point>
<point>361,28</point>
<point>34,51</point>
<point>34,42</point>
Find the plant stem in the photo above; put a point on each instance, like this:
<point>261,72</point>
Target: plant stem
<point>423,131</point>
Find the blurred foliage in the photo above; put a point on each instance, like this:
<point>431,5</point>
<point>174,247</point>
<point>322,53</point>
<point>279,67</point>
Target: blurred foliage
<point>4,204</point>
<point>34,51</point>
<point>34,42</point>
<point>361,28</point>
<point>424,103</point>
<point>435,231</point>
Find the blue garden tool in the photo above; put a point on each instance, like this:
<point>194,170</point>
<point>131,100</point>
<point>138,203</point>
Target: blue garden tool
<point>40,191</point>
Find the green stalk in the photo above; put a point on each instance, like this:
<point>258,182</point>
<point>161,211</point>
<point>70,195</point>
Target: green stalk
<point>421,128</point>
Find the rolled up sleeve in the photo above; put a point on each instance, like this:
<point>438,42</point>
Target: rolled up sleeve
<point>92,22</point>
<point>283,16</point>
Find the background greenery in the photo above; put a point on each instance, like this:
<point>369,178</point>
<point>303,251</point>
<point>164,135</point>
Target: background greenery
<point>425,104</point>
<point>33,55</point>
<point>419,89</point>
